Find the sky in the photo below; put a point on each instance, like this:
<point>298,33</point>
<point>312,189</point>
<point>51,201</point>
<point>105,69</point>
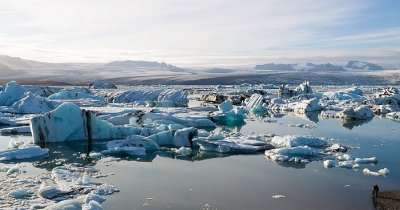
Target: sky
<point>201,32</point>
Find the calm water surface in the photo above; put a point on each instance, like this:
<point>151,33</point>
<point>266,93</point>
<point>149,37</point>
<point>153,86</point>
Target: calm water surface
<point>246,182</point>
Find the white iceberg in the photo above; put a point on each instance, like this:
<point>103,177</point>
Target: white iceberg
<point>69,123</point>
<point>360,113</point>
<point>184,137</point>
<point>304,106</point>
<point>380,172</point>
<point>296,140</point>
<point>393,116</point>
<point>366,160</point>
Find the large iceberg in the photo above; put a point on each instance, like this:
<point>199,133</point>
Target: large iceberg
<point>12,92</point>
<point>155,97</point>
<point>69,123</point>
<point>292,154</point>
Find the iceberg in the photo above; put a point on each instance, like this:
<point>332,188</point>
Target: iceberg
<point>295,141</point>
<point>156,97</point>
<point>69,123</point>
<point>360,113</point>
<point>75,93</point>
<point>32,104</point>
<point>12,92</point>
<point>255,104</point>
<point>393,116</point>
<point>305,106</point>
<point>166,118</point>
<point>228,115</point>
<point>381,172</point>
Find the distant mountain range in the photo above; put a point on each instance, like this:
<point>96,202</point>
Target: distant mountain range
<point>13,66</point>
<point>328,67</point>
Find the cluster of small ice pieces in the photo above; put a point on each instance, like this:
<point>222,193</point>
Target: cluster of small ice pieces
<point>66,187</point>
<point>148,120</point>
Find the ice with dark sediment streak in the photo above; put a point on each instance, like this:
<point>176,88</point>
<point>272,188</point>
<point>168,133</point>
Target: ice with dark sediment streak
<point>69,123</point>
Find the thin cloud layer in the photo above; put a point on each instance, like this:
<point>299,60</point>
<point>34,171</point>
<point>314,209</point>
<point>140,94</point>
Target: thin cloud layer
<point>195,32</point>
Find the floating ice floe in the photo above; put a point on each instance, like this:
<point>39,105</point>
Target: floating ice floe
<point>380,172</point>
<point>75,93</point>
<point>155,97</point>
<point>359,113</point>
<point>23,152</point>
<point>233,145</point>
<point>228,115</point>
<point>134,145</point>
<point>69,123</point>
<point>12,92</point>
<point>32,104</point>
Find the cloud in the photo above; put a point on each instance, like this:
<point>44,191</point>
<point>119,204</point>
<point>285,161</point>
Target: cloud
<point>197,32</point>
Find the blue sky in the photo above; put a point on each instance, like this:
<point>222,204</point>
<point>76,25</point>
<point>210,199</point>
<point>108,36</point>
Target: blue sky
<point>201,32</point>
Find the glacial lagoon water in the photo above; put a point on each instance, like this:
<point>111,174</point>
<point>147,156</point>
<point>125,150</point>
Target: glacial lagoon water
<point>244,182</point>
